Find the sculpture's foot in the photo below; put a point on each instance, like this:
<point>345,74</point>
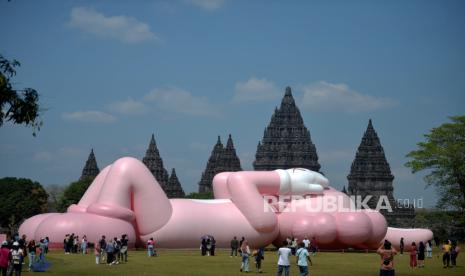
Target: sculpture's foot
<point>410,235</point>
<point>56,226</point>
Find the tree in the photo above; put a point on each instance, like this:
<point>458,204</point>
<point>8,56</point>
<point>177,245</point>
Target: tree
<point>73,193</point>
<point>194,195</point>
<point>19,106</point>
<point>443,156</point>
<point>20,198</point>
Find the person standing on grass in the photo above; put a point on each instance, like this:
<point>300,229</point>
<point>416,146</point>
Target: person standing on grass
<point>314,246</point>
<point>259,256</point>
<point>102,245</point>
<point>240,245</point>
<point>151,247</point>
<point>387,254</point>
<point>5,256</point>
<point>245,249</point>
<point>454,252</point>
<point>421,254</point>
<point>283,262</point>
<point>429,249</point>
<point>97,253</point>
<point>203,247</point>
<point>302,258</point>
<point>234,246</point>
<point>401,246</point>
<point>209,247</point>
<point>212,250</point>
<point>46,243</point>
<point>32,250</point>
<point>306,242</point>
<point>17,255</point>
<point>124,248</point>
<point>110,249</point>
<point>84,245</point>
<point>413,255</point>
<point>446,254</point>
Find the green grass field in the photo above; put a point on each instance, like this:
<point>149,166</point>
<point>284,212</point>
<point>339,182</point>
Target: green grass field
<point>184,262</point>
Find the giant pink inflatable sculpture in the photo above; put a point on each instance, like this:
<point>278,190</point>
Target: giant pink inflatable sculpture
<point>125,198</point>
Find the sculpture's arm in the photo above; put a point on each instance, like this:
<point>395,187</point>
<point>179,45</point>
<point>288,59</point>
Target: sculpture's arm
<point>243,190</point>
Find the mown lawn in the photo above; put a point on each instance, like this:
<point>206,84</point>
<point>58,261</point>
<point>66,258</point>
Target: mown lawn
<point>188,262</point>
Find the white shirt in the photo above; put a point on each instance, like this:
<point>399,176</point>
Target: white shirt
<point>306,242</point>
<point>284,254</point>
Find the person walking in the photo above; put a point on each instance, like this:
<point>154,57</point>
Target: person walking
<point>413,255</point>
<point>209,247</point>
<point>446,254</point>
<point>5,256</point>
<point>302,258</point>
<point>245,249</point>
<point>32,250</point>
<point>240,245</point>
<point>110,249</point>
<point>454,252</point>
<point>213,246</point>
<point>387,253</point>
<point>306,241</point>
<point>429,249</point>
<point>259,257</point>
<point>293,245</point>
<point>401,246</point>
<point>283,262</point>
<point>234,246</point>
<point>421,254</point>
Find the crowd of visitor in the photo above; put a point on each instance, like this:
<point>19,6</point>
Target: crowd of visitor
<point>15,251</point>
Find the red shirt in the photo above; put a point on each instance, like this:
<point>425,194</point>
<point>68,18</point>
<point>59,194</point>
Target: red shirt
<point>4,257</point>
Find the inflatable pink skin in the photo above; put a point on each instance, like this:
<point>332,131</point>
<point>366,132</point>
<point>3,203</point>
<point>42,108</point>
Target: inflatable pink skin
<point>126,199</point>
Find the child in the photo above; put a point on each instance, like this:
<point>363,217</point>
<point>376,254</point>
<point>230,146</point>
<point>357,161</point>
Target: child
<point>97,253</point>
<point>413,255</point>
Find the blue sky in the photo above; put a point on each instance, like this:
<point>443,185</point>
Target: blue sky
<point>111,73</point>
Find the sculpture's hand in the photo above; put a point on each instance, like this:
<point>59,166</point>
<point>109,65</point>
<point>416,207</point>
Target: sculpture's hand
<point>301,181</point>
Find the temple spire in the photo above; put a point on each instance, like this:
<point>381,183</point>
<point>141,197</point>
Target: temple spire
<point>154,163</point>
<point>222,159</point>
<point>90,169</point>
<point>174,188</point>
<point>286,141</point>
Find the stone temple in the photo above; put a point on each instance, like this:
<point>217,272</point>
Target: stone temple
<point>154,163</point>
<point>222,159</point>
<point>286,141</point>
<point>90,169</point>
<point>370,174</point>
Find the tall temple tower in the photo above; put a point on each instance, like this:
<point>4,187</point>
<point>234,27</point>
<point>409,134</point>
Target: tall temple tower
<point>91,169</point>
<point>174,188</point>
<point>154,163</point>
<point>221,160</point>
<point>370,174</point>
<point>286,141</point>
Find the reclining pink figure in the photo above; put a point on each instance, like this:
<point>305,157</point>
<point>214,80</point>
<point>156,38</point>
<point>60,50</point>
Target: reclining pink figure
<point>126,199</point>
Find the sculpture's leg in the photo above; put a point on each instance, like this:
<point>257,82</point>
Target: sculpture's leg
<point>91,194</point>
<point>131,192</point>
<point>243,188</point>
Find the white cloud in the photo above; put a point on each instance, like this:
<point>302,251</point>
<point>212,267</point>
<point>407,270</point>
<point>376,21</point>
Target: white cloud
<point>123,28</point>
<point>331,97</point>
<point>255,90</point>
<point>176,100</point>
<point>208,5</point>
<point>90,116</point>
<point>128,107</point>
